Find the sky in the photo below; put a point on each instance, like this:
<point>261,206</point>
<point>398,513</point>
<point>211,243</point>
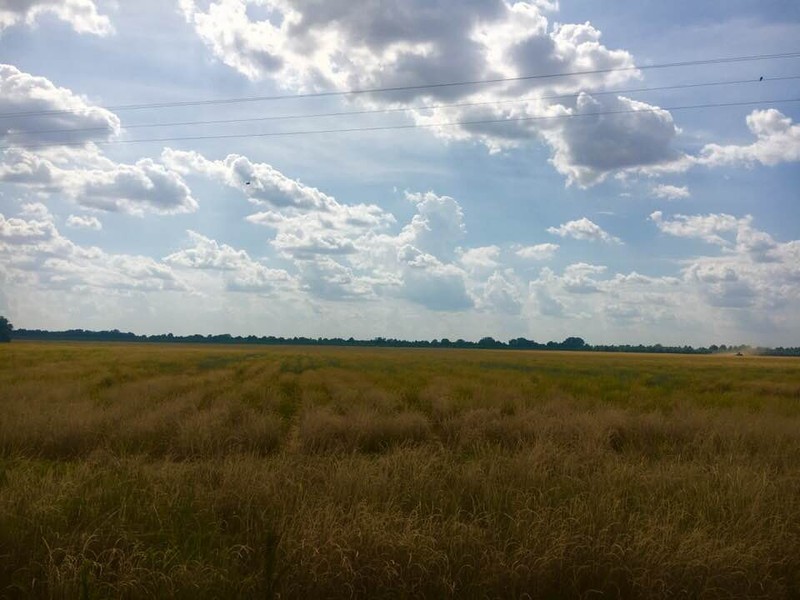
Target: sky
<point>175,166</point>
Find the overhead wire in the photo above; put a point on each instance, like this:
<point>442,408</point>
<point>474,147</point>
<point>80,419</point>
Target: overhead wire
<point>381,90</point>
<point>410,108</point>
<point>404,126</point>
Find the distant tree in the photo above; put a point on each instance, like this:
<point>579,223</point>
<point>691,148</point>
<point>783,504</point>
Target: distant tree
<point>5,330</point>
<point>522,343</point>
<point>573,343</point>
<point>489,342</point>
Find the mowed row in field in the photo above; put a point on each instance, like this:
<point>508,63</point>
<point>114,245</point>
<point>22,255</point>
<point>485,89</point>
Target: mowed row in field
<point>207,471</point>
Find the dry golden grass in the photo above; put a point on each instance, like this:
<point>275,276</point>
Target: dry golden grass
<point>177,471</point>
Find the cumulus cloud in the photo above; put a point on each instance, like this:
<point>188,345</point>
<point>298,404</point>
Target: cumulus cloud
<point>670,192</point>
<point>36,211</point>
<point>261,183</point>
<point>242,273</point>
<point>22,231</point>
<point>56,108</point>
<point>579,278</point>
<point>144,186</point>
<point>308,222</point>
<point>584,229</point>
<point>205,253</point>
<point>482,258</point>
<point>437,227</point>
<point>777,141</point>
<point>343,251</point>
<point>537,252</point>
<point>704,227</point>
<point>590,293</point>
<point>34,251</point>
<point>330,279</point>
<point>436,286</point>
<point>84,222</point>
<point>502,293</point>
<point>81,173</point>
<point>737,281</point>
<point>82,15</point>
<point>727,231</point>
<point>305,46</point>
<point>337,231</point>
<point>609,134</point>
<point>754,271</point>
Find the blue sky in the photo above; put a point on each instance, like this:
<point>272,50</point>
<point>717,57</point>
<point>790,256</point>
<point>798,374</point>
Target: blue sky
<point>644,223</point>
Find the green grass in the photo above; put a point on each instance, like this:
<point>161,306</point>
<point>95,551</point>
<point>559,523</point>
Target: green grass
<point>196,471</point>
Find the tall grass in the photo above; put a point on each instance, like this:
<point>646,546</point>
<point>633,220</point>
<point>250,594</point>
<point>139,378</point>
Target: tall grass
<point>141,471</point>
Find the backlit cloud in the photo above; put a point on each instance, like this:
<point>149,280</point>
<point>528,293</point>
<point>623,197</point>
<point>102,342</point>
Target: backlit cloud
<point>82,15</point>
<point>584,229</point>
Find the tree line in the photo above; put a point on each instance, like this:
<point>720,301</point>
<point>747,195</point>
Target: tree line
<point>519,343</point>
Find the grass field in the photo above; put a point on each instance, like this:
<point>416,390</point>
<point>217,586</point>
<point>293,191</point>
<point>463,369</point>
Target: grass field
<point>181,471</point>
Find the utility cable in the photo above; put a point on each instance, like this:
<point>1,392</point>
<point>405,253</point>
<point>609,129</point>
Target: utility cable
<point>408,126</point>
<point>408,108</point>
<point>382,90</point>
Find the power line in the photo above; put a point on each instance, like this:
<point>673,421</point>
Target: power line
<point>411,108</point>
<point>381,90</point>
<point>408,126</point>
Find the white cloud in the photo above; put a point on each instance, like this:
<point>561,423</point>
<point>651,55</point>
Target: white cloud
<point>754,271</point>
<point>342,251</point>
<point>584,229</point>
<point>81,173</point>
<point>777,141</point>
<point>483,258</point>
<point>588,294</point>
<point>21,231</point>
<point>502,294</point>
<point>330,279</point>
<point>336,231</point>
<point>82,15</point>
<point>305,46</point>
<point>731,233</point>
<point>261,183</point>
<point>56,108</point>
<point>579,278</point>
<point>205,253</point>
<point>144,186</point>
<point>588,146</point>
<point>437,227</point>
<point>670,192</point>
<point>436,286</point>
<point>341,257</point>
<point>36,211</point>
<point>538,252</point>
<point>737,281</point>
<point>704,227</point>
<point>241,272</point>
<point>35,252</point>
<point>84,222</point>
